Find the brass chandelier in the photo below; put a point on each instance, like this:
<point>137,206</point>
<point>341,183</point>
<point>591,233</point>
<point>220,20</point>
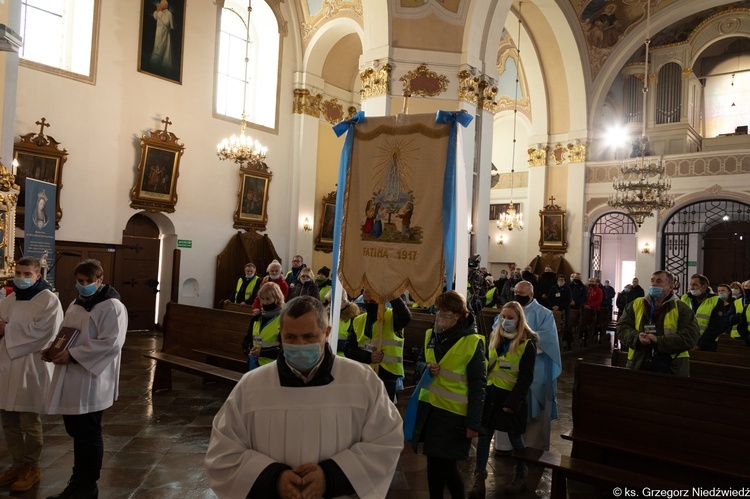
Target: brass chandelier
<point>512,219</point>
<point>642,186</point>
<point>243,150</point>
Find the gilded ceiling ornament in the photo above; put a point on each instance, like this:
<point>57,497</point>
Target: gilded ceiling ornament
<point>424,82</point>
<point>329,10</point>
<point>489,94</point>
<point>376,81</point>
<point>687,72</point>
<point>577,152</point>
<point>351,111</point>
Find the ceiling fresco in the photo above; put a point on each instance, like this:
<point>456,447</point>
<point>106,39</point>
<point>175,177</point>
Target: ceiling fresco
<point>605,23</point>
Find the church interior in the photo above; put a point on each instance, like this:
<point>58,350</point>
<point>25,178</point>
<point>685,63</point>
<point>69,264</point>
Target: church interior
<point>567,96</point>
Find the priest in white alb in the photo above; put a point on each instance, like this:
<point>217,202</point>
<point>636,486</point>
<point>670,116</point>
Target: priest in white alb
<point>310,424</point>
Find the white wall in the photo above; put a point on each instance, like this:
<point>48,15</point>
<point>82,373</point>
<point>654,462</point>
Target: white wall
<point>101,125</point>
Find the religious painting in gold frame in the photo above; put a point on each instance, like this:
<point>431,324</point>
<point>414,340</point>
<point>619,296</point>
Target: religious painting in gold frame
<point>156,176</point>
<point>552,237</point>
<point>40,158</point>
<point>324,240</point>
<point>252,198</point>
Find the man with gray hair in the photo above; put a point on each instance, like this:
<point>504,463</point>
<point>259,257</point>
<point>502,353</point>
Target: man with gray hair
<point>277,433</point>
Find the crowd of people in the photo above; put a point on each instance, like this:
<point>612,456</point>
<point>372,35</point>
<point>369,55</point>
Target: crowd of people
<point>502,386</point>
<point>39,376</point>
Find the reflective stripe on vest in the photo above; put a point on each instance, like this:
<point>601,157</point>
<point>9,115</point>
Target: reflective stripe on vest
<point>671,319</point>
<point>248,290</point>
<point>269,337</point>
<point>449,390</point>
<point>504,372</point>
<point>703,314</point>
<point>392,346</point>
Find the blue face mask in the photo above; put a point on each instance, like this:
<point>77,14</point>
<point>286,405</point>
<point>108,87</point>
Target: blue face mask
<point>655,292</point>
<point>723,296</point>
<point>509,325</point>
<point>23,282</point>
<point>87,290</point>
<point>302,357</point>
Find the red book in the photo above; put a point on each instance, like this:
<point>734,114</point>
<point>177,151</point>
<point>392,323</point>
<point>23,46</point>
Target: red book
<point>64,340</point>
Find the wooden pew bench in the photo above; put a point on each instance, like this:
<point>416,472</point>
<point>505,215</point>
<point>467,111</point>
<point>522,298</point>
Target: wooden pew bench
<point>202,341</point>
<point>659,427</point>
<point>713,366</point>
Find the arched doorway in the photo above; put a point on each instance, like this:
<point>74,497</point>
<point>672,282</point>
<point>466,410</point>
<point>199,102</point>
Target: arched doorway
<point>708,237</point>
<point>137,271</point>
<point>612,248</point>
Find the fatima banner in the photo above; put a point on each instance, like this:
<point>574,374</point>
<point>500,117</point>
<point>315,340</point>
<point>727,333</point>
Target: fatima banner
<point>399,187</point>
<point>39,223</point>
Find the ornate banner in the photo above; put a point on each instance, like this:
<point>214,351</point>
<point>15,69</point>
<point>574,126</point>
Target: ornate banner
<point>39,236</point>
<point>392,228</point>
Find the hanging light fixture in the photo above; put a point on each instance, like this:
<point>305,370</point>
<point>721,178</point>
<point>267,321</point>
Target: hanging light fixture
<point>512,219</point>
<point>243,150</point>
<point>642,185</point>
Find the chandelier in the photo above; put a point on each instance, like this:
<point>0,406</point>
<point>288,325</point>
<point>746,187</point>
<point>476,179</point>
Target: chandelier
<point>243,150</point>
<point>642,185</point>
<point>512,219</point>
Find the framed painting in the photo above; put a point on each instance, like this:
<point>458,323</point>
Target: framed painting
<point>324,240</point>
<point>252,199</point>
<point>155,186</point>
<point>552,236</point>
<point>38,157</point>
<point>162,34</point>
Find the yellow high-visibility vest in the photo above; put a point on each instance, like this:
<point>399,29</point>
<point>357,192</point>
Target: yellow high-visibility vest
<point>703,314</point>
<point>671,319</point>
<point>392,345</point>
<point>505,368</point>
<point>268,337</point>
<point>449,390</point>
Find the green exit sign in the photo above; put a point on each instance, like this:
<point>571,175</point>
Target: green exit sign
<point>184,243</point>
<point>691,263</point>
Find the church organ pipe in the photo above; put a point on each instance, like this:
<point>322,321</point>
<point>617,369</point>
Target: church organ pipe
<point>669,94</point>
<point>633,99</point>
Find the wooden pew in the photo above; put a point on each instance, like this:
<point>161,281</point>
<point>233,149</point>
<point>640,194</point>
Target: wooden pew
<point>636,429</point>
<point>706,365</point>
<point>202,341</point>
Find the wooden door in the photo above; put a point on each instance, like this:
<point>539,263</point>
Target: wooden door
<point>726,253</point>
<point>137,271</point>
<point>70,254</point>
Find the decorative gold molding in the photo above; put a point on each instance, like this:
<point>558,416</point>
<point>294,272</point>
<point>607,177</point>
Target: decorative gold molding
<point>351,111</point>
<point>332,111</point>
<point>577,152</point>
<point>329,10</point>
<point>306,103</point>
<point>538,156</point>
<point>376,81</point>
<point>467,87</point>
<point>687,72</point>
<point>558,154</point>
<point>424,82</point>
<point>478,90</point>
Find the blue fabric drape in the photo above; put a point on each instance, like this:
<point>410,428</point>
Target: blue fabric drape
<point>344,164</point>
<point>449,190</point>
<point>410,415</point>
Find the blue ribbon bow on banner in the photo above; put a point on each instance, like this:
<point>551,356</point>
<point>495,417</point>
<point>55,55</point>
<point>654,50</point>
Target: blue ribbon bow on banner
<point>344,164</point>
<point>449,190</point>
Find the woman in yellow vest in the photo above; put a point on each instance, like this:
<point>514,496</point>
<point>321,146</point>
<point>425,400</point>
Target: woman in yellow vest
<point>348,312</point>
<point>263,333</point>
<point>512,354</point>
<point>450,409</point>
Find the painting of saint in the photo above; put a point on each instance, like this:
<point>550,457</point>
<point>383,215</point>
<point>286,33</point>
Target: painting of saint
<point>253,193</point>
<point>162,27</point>
<point>36,167</point>
<point>552,229</point>
<point>157,172</point>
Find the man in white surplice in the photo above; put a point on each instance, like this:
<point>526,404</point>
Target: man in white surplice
<point>310,423</point>
<point>162,54</point>
<point>29,319</point>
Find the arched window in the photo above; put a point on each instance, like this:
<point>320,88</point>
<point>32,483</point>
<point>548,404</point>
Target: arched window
<point>669,94</point>
<point>59,37</point>
<point>263,65</point>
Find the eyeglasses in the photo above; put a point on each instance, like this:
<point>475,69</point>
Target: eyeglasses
<point>296,261</point>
